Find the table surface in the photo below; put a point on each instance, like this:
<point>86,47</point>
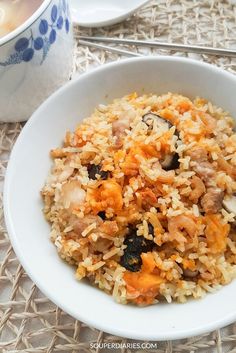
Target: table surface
<point>29,322</point>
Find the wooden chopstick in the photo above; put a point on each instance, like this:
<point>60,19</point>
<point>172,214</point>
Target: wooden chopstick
<point>163,45</point>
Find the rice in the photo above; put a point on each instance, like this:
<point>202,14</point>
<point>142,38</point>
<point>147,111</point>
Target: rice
<point>138,194</point>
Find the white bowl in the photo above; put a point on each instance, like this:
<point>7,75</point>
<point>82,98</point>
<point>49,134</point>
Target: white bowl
<point>29,165</point>
<point>35,60</point>
<point>95,13</point>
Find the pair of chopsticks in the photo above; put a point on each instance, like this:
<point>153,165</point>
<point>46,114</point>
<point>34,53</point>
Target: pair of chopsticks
<point>92,42</point>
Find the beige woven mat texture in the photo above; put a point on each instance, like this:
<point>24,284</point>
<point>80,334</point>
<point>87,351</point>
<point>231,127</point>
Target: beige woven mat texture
<point>29,322</point>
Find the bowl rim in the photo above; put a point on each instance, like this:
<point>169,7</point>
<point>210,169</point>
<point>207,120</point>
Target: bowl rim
<point>26,24</point>
<point>113,20</point>
<point>94,322</point>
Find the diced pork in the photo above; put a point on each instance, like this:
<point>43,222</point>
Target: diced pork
<point>212,200</point>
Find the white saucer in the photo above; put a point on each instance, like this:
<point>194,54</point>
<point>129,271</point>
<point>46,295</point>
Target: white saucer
<point>98,13</point>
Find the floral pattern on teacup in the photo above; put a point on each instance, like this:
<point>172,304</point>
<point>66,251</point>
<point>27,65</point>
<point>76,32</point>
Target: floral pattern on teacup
<point>48,29</point>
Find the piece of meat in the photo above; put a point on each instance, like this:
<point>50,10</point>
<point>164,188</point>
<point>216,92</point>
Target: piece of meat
<point>80,224</point>
<point>212,201</point>
<point>198,154</point>
<point>201,166</point>
<point>205,171</point>
<point>209,122</point>
<point>164,176</point>
<point>176,226</point>
<point>109,227</point>
<point>188,274</point>
<point>72,194</point>
<point>198,188</point>
<point>118,128</point>
<point>226,167</point>
<point>101,244</point>
<point>148,197</point>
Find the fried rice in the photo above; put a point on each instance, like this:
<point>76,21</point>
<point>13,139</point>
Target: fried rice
<point>141,198</point>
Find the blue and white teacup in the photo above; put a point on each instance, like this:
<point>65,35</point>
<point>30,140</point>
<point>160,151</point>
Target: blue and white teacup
<point>35,59</point>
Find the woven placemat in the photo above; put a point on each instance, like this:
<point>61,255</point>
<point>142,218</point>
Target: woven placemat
<point>29,322</point>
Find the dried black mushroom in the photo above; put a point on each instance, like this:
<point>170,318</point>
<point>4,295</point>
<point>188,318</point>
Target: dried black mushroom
<point>102,215</point>
<point>95,169</point>
<point>131,261</point>
<point>233,227</point>
<point>137,243</point>
<point>170,160</point>
<point>150,229</point>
